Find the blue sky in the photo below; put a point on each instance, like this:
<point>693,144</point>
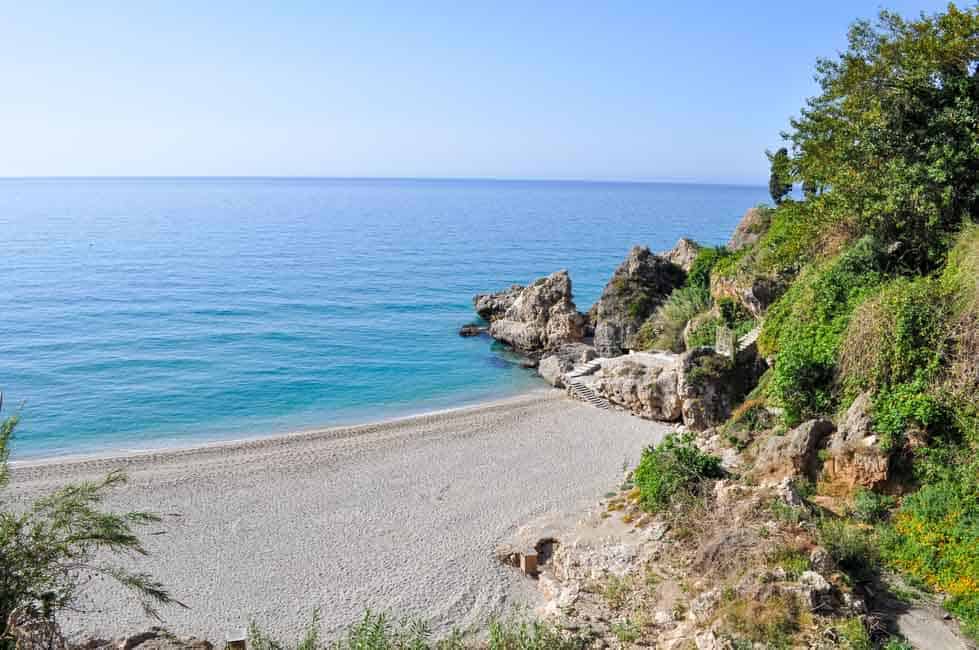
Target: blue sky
<point>590,90</point>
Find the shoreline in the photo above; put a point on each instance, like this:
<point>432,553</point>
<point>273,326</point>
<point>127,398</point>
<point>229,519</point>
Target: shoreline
<point>401,516</point>
<point>179,448</point>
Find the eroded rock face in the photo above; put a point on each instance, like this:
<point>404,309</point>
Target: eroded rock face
<point>756,294</point>
<point>710,385</point>
<point>855,456</point>
<point>491,306</point>
<point>542,316</point>
<point>636,289</point>
<point>794,453</point>
<point>748,230</point>
<point>553,367</point>
<point>682,254</point>
<point>648,388</point>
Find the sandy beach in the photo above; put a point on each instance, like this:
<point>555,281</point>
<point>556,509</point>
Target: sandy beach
<point>401,516</point>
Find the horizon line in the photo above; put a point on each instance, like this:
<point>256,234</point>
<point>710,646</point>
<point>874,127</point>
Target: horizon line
<point>490,179</point>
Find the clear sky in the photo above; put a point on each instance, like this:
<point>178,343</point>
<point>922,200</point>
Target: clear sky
<point>689,91</point>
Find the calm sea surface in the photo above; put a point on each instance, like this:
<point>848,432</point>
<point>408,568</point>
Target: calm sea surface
<point>139,313</point>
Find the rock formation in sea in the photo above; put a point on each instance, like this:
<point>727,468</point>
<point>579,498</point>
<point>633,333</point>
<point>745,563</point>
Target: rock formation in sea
<point>638,286</point>
<point>539,317</point>
<point>491,306</point>
<point>683,253</point>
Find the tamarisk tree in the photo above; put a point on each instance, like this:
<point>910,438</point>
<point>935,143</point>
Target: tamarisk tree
<point>51,547</point>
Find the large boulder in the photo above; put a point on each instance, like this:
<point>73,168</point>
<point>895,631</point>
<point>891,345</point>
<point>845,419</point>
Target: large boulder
<point>646,384</point>
<point>491,306</point>
<point>749,230</point>
<point>854,455</point>
<point>755,294</point>
<point>792,454</point>
<point>640,284</point>
<point>542,317</point>
<point>553,367</point>
<point>683,253</point>
<point>711,385</point>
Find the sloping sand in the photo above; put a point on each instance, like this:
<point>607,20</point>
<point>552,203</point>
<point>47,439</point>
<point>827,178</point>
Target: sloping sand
<point>400,516</point>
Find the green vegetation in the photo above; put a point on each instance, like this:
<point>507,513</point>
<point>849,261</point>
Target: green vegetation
<point>780,181</point>
<point>376,631</point>
<point>664,329</point>
<point>49,549</point>
<point>674,466</point>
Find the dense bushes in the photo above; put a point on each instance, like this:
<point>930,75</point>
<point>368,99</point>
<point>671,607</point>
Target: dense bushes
<point>675,465</point>
<point>664,329</point>
<point>805,329</point>
<point>935,537</point>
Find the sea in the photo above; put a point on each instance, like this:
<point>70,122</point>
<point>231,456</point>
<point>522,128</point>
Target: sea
<point>144,313</point>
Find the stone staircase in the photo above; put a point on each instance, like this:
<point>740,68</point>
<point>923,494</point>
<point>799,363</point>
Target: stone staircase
<point>584,392</point>
<point>587,368</point>
<point>749,338</point>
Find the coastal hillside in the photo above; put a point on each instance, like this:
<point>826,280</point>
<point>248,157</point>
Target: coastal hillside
<point>805,431</point>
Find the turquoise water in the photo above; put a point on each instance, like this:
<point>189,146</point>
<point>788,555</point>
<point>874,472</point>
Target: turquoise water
<point>140,313</point>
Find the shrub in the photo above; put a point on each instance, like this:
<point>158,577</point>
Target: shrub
<point>805,327</point>
<point>675,465</point>
<point>851,546</point>
<point>904,407</point>
<point>934,538</point>
<point>700,271</point>
<point>664,329</point>
<point>49,549</point>
<point>853,635</point>
<point>894,335</point>
<point>870,507</point>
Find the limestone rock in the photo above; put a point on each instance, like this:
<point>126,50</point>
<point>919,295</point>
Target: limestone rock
<point>471,329</point>
<point>710,385</point>
<point>855,457</point>
<point>683,253</point>
<point>640,284</point>
<point>748,230</point>
<point>821,561</point>
<point>755,294</point>
<point>645,384</point>
<point>794,453</point>
<point>817,591</point>
<point>542,317</point>
<point>491,306</point>
<point>552,368</point>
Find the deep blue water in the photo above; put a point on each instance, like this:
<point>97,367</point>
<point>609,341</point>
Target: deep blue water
<point>139,313</point>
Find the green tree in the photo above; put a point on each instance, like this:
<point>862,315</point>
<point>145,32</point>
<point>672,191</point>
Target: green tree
<point>50,547</point>
<point>894,133</point>
<point>780,182</point>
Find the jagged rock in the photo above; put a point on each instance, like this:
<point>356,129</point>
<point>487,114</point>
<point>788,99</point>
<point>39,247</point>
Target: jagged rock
<point>636,289</point>
<point>754,294</point>
<point>709,641</point>
<point>542,317</point>
<point>817,591</point>
<point>710,385</point>
<point>552,368</point>
<point>788,494</point>
<point>748,230</point>
<point>683,253</point>
<point>821,561</point>
<point>645,384</point>
<point>471,329</point>
<point>855,457</point>
<point>793,453</point>
<point>491,306</point>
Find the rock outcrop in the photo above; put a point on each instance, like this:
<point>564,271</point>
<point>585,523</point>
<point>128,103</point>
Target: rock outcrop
<point>792,454</point>
<point>552,368</point>
<point>646,384</point>
<point>541,317</point>
<point>854,454</point>
<point>682,254</point>
<point>755,294</point>
<point>748,230</point>
<point>636,289</point>
<point>491,306</point>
